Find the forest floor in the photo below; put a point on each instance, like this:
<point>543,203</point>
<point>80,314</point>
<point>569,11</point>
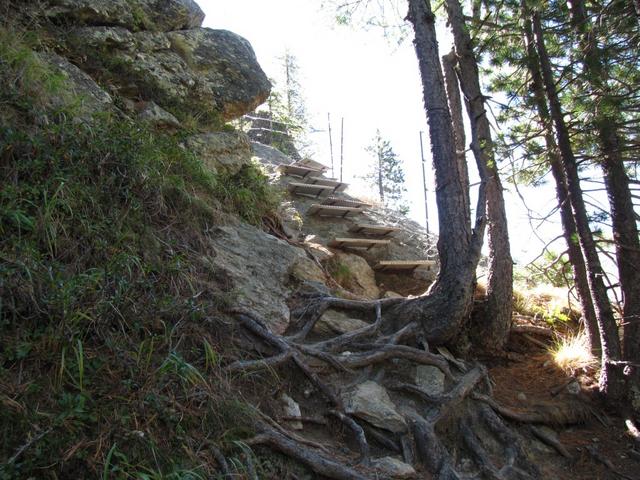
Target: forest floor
<point>600,448</point>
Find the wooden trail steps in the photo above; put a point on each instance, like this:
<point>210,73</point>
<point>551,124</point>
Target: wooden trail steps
<point>403,265</point>
<point>333,211</point>
<point>365,243</point>
<point>310,190</point>
<point>337,185</point>
<point>374,230</point>
<point>299,171</point>
<point>314,184</point>
<point>343,202</point>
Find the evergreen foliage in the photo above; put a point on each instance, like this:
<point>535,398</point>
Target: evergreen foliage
<point>387,174</point>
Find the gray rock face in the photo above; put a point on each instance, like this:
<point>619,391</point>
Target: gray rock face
<point>371,402</point>
<point>260,264</point>
<point>191,72</point>
<point>333,322</point>
<point>91,97</point>
<point>155,15</point>
<point>221,151</point>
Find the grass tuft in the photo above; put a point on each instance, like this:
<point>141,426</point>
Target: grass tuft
<point>572,353</point>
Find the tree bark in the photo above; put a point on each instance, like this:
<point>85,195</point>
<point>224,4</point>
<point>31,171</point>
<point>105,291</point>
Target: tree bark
<point>441,312</point>
<point>500,281</point>
<point>455,106</point>
<point>566,216</point>
<point>612,383</point>
<point>625,231</point>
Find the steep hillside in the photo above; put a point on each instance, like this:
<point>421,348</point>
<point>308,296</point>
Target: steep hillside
<point>170,308</point>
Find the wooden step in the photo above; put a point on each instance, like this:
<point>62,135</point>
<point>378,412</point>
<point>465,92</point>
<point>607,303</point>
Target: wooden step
<point>307,162</point>
<point>374,230</point>
<point>298,171</point>
<point>310,190</point>
<point>343,202</point>
<point>332,182</point>
<point>366,243</point>
<point>333,211</point>
<point>403,265</point>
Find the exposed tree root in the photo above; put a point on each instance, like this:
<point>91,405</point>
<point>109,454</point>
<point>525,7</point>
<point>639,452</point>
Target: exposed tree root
<point>315,461</point>
<point>361,438</point>
<point>358,355</point>
<point>557,413</point>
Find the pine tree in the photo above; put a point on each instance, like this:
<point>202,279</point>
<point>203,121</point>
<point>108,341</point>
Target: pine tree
<point>387,174</point>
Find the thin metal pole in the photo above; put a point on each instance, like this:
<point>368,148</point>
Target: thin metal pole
<point>341,147</point>
<point>424,185</point>
<point>330,143</point>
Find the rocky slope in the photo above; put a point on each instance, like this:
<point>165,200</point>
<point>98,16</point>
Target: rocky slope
<point>168,311</point>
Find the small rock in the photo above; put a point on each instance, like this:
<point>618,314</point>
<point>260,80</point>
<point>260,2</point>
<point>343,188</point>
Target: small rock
<point>291,409</point>
<point>390,294</point>
<point>371,402</point>
<point>522,397</point>
<point>394,467</point>
<point>158,117</point>
<point>573,388</point>
<point>333,322</point>
<point>430,379</point>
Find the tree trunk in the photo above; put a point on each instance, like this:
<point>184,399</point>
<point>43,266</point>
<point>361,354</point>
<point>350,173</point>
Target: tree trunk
<point>455,106</point>
<point>380,186</point>
<point>441,312</point>
<point>566,216</point>
<point>500,281</point>
<point>625,231</point>
<point>611,377</point>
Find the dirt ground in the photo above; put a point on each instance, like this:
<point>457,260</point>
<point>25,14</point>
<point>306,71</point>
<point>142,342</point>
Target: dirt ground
<point>600,447</point>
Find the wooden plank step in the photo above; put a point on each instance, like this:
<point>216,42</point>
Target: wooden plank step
<point>374,230</point>
<point>403,265</point>
<point>343,202</point>
<point>333,211</point>
<point>307,162</point>
<point>298,171</point>
<point>310,190</point>
<point>336,184</point>
<point>366,243</point>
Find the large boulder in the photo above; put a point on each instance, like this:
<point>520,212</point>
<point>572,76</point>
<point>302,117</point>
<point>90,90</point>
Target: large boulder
<point>359,276</point>
<point>154,15</point>
<point>203,73</point>
<point>221,151</point>
<point>371,402</point>
<point>258,267</point>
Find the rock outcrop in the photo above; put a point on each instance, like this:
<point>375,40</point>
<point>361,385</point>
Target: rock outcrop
<point>221,151</point>
<point>134,15</point>
<point>199,72</point>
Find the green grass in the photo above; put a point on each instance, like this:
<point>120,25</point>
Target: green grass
<point>111,342</point>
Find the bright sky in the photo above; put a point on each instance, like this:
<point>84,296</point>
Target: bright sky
<point>358,75</point>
